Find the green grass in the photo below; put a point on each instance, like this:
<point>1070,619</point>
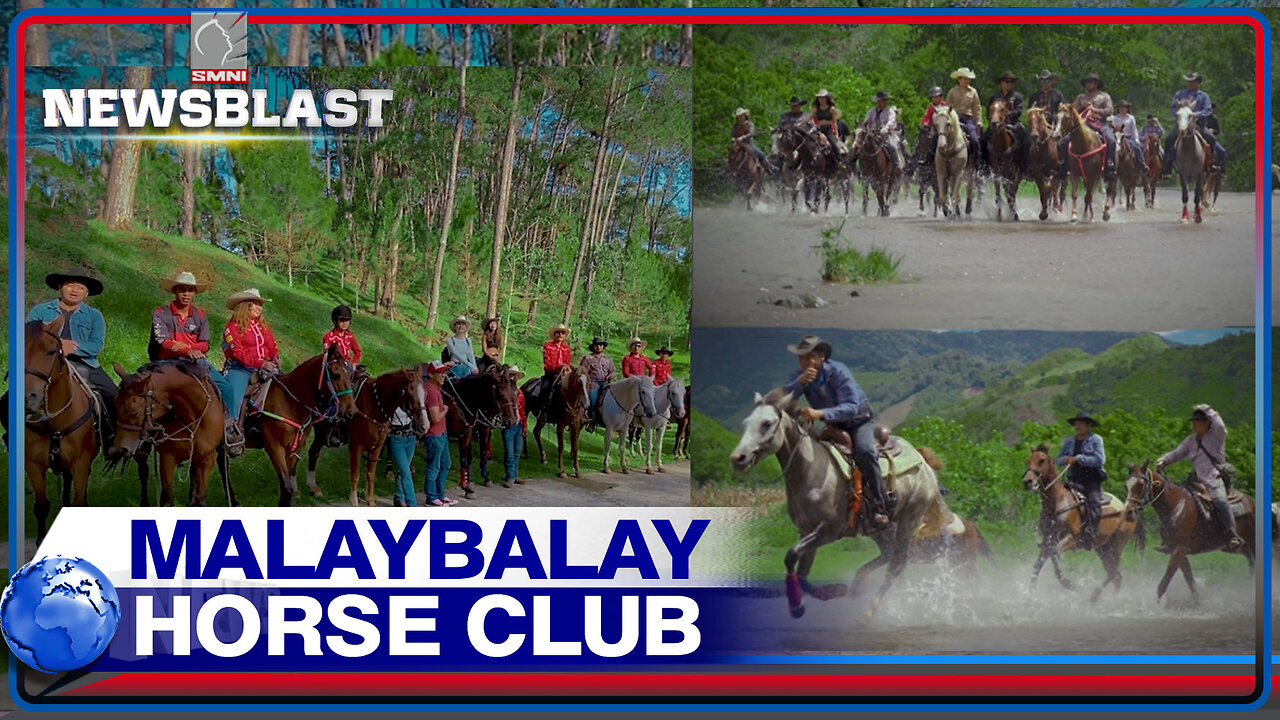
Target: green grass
<point>131,263</point>
<point>843,263</point>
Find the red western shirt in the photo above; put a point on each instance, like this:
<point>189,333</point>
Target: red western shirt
<point>636,365</point>
<point>346,342</point>
<point>251,348</point>
<point>169,326</point>
<point>661,370</point>
<point>927,120</point>
<point>555,356</point>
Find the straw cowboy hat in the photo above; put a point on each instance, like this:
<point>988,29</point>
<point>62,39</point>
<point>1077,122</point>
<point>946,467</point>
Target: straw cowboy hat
<point>460,319</point>
<point>963,72</point>
<point>251,295</point>
<point>824,94</point>
<point>741,111</point>
<point>182,278</point>
<point>82,275</point>
<point>1192,76</point>
<point>515,371</point>
<point>636,341</point>
<point>560,327</point>
<point>1082,417</point>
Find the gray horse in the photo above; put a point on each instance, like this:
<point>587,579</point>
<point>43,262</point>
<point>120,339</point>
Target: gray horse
<point>668,399</point>
<point>623,402</point>
<point>951,165</point>
<point>1190,157</point>
<point>818,491</point>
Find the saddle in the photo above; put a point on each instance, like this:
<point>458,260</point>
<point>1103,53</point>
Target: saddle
<point>1204,504</point>
<point>255,395</point>
<point>895,455</point>
<point>1111,505</point>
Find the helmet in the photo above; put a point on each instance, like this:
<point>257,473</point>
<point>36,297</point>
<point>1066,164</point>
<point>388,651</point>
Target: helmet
<point>935,91</point>
<point>342,312</point>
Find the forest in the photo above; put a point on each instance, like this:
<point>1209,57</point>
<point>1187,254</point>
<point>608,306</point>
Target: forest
<point>760,67</point>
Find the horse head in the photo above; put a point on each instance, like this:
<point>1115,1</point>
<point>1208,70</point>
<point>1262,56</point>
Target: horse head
<point>573,390</point>
<point>1137,489</point>
<point>1037,125</point>
<point>336,379</point>
<point>1040,472</point>
<point>1186,119</point>
<point>996,113</point>
<point>411,395</point>
<point>505,392</point>
<point>45,362</point>
<point>763,432</point>
<point>676,392</point>
<point>136,417</point>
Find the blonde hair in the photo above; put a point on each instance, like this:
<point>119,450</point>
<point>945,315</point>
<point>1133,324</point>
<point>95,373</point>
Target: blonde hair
<point>240,316</point>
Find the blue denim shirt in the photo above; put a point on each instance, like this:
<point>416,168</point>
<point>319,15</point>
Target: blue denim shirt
<point>1202,106</point>
<point>1091,452</point>
<point>88,329</point>
<point>834,391</point>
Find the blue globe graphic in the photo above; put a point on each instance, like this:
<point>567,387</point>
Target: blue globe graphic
<point>59,613</point>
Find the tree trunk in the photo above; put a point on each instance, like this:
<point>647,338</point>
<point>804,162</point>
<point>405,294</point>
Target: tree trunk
<point>504,195</point>
<point>190,168</point>
<point>686,41</point>
<point>36,47</point>
<point>387,302</point>
<point>123,178</point>
<point>594,197</point>
<point>451,193</point>
<point>299,52</point>
<point>168,37</point>
<point>339,42</point>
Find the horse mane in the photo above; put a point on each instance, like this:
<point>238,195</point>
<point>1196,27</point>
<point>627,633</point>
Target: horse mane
<point>775,396</point>
<point>1042,448</point>
<point>930,457</point>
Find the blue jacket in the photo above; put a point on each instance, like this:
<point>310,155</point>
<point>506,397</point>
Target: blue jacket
<point>1091,452</point>
<point>88,329</point>
<point>1201,107</point>
<point>834,391</point>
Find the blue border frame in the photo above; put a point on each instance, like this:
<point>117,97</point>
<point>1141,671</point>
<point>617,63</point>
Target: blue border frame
<point>1262,383</point>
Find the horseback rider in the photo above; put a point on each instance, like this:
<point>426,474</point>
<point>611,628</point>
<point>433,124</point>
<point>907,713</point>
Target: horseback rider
<point>180,330</point>
<point>837,400</point>
<point>1050,98</point>
<point>1095,107</point>
<point>826,117</point>
<point>1013,119</point>
<point>1127,127</point>
<point>936,105</point>
<point>1202,107</point>
<point>968,106</point>
<point>345,340</point>
<point>1084,456</point>
<point>662,366</point>
<point>796,117</point>
<point>556,355</point>
<point>248,347</point>
<point>1152,128</point>
<point>600,372</point>
<point>745,131</point>
<point>883,120</point>
<point>1206,448</point>
<point>459,350</point>
<point>634,362</point>
<point>83,335</point>
<point>1213,127</point>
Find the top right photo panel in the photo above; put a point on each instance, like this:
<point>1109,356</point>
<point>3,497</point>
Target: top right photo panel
<point>1055,176</point>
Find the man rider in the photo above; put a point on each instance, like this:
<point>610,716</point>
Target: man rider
<point>1202,108</point>
<point>795,116</point>
<point>968,106</point>
<point>883,119</point>
<point>835,398</point>
<point>600,372</point>
<point>1050,98</point>
<point>1096,104</point>
<point>1084,456</point>
<point>1013,119</point>
<point>1206,448</point>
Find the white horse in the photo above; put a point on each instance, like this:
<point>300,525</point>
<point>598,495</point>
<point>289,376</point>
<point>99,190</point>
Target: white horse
<point>818,493</point>
<point>623,402</point>
<point>951,163</point>
<point>668,399</point>
<point>1190,159</point>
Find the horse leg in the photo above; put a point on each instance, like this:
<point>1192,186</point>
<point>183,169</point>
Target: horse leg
<point>1185,215</point>
<point>795,583</point>
<point>313,456</point>
<point>201,468</point>
<point>224,469</point>
<point>36,474</point>
<point>574,430</point>
<point>1175,561</point>
<point>371,457</point>
<point>867,568</point>
<point>278,454</point>
<point>353,471</point>
<point>662,436</point>
<point>622,450</point>
<point>1013,198</point>
<point>168,464</point>
<point>144,477</point>
<point>537,438</point>
<point>897,563</point>
<point>1185,564</point>
<point>608,447</point>
<point>1108,199</point>
<point>560,451</point>
<point>1075,182</point>
<point>486,452</point>
<point>1199,198</point>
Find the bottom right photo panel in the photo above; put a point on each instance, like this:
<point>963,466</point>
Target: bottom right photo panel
<point>985,492</point>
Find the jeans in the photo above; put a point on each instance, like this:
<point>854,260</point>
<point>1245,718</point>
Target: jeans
<point>233,389</point>
<point>1218,494</point>
<point>437,465</point>
<point>1137,149</point>
<point>864,456</point>
<point>219,380</point>
<point>593,394</point>
<point>512,442</point>
<point>970,128</point>
<point>1170,151</point>
<point>402,449</point>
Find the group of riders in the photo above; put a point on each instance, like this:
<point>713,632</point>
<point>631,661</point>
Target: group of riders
<point>835,398</point>
<point>824,122</point>
<point>180,331</point>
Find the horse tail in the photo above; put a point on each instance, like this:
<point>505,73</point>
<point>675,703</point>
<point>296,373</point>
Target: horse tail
<point>1140,538</point>
<point>930,458</point>
<point>983,548</point>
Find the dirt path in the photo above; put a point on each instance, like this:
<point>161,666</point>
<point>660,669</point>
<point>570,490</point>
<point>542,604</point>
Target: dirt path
<point>1142,271</point>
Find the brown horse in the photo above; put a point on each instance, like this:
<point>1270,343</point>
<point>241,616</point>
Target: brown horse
<point>1043,162</point>
<point>1004,160</point>
<point>1128,171</point>
<point>376,401</point>
<point>746,171</point>
<point>876,167</point>
<point>1086,159</point>
<point>1062,522</point>
<point>1183,531</point>
<point>478,404</point>
<point>1212,185</point>
<point>1151,149</point>
<point>958,541</point>
<point>681,449</point>
<point>566,408</point>
<point>318,389</point>
<point>59,422</point>
<point>175,408</point>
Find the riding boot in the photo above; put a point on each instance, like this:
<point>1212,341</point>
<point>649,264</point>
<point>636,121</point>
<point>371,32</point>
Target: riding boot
<point>1228,521</point>
<point>233,436</point>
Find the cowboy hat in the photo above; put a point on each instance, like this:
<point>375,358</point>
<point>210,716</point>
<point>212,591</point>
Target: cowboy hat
<point>810,343</point>
<point>435,366</point>
<point>741,111</point>
<point>963,72</point>
<point>1046,76</point>
<point>935,91</point>
<point>1093,77</point>
<point>795,101</point>
<point>560,327</point>
<point>514,370</point>
<point>82,275</point>
<point>1192,76</point>
<point>636,341</point>
<point>598,341</point>
<point>1008,75</point>
<point>823,93</point>
<point>460,319</point>
<point>882,95</point>
<point>251,294</point>
<point>182,278</point>
<point>1082,417</point>
<point>1200,412</point>
<point>665,349</point>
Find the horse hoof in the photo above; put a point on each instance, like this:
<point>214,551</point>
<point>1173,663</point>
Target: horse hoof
<point>648,471</point>
<point>577,474</point>
<point>626,471</point>
<point>865,618</point>
<point>797,612</point>
<point>562,474</point>
<point>1199,219</point>
<point>1015,217</point>
<point>1106,216</point>
<point>1183,221</point>
<point>606,471</point>
<point>1044,215</point>
<point>661,469</point>
<point>371,502</point>
<point>316,492</point>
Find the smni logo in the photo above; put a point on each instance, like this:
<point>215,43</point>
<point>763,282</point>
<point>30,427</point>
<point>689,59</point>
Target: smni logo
<point>218,47</point>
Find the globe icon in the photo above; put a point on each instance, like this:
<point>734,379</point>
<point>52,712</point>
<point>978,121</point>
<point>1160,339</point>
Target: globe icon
<point>59,613</point>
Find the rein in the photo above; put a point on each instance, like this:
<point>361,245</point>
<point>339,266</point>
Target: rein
<point>314,415</point>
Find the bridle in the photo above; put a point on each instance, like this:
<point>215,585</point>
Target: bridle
<point>60,369</point>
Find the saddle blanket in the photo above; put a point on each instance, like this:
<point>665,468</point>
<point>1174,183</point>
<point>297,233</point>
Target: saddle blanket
<point>896,457</point>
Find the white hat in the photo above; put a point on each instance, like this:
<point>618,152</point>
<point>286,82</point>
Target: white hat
<point>515,370</point>
<point>182,278</point>
<point>741,111</point>
<point>963,72</point>
<point>251,294</point>
<point>460,319</point>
